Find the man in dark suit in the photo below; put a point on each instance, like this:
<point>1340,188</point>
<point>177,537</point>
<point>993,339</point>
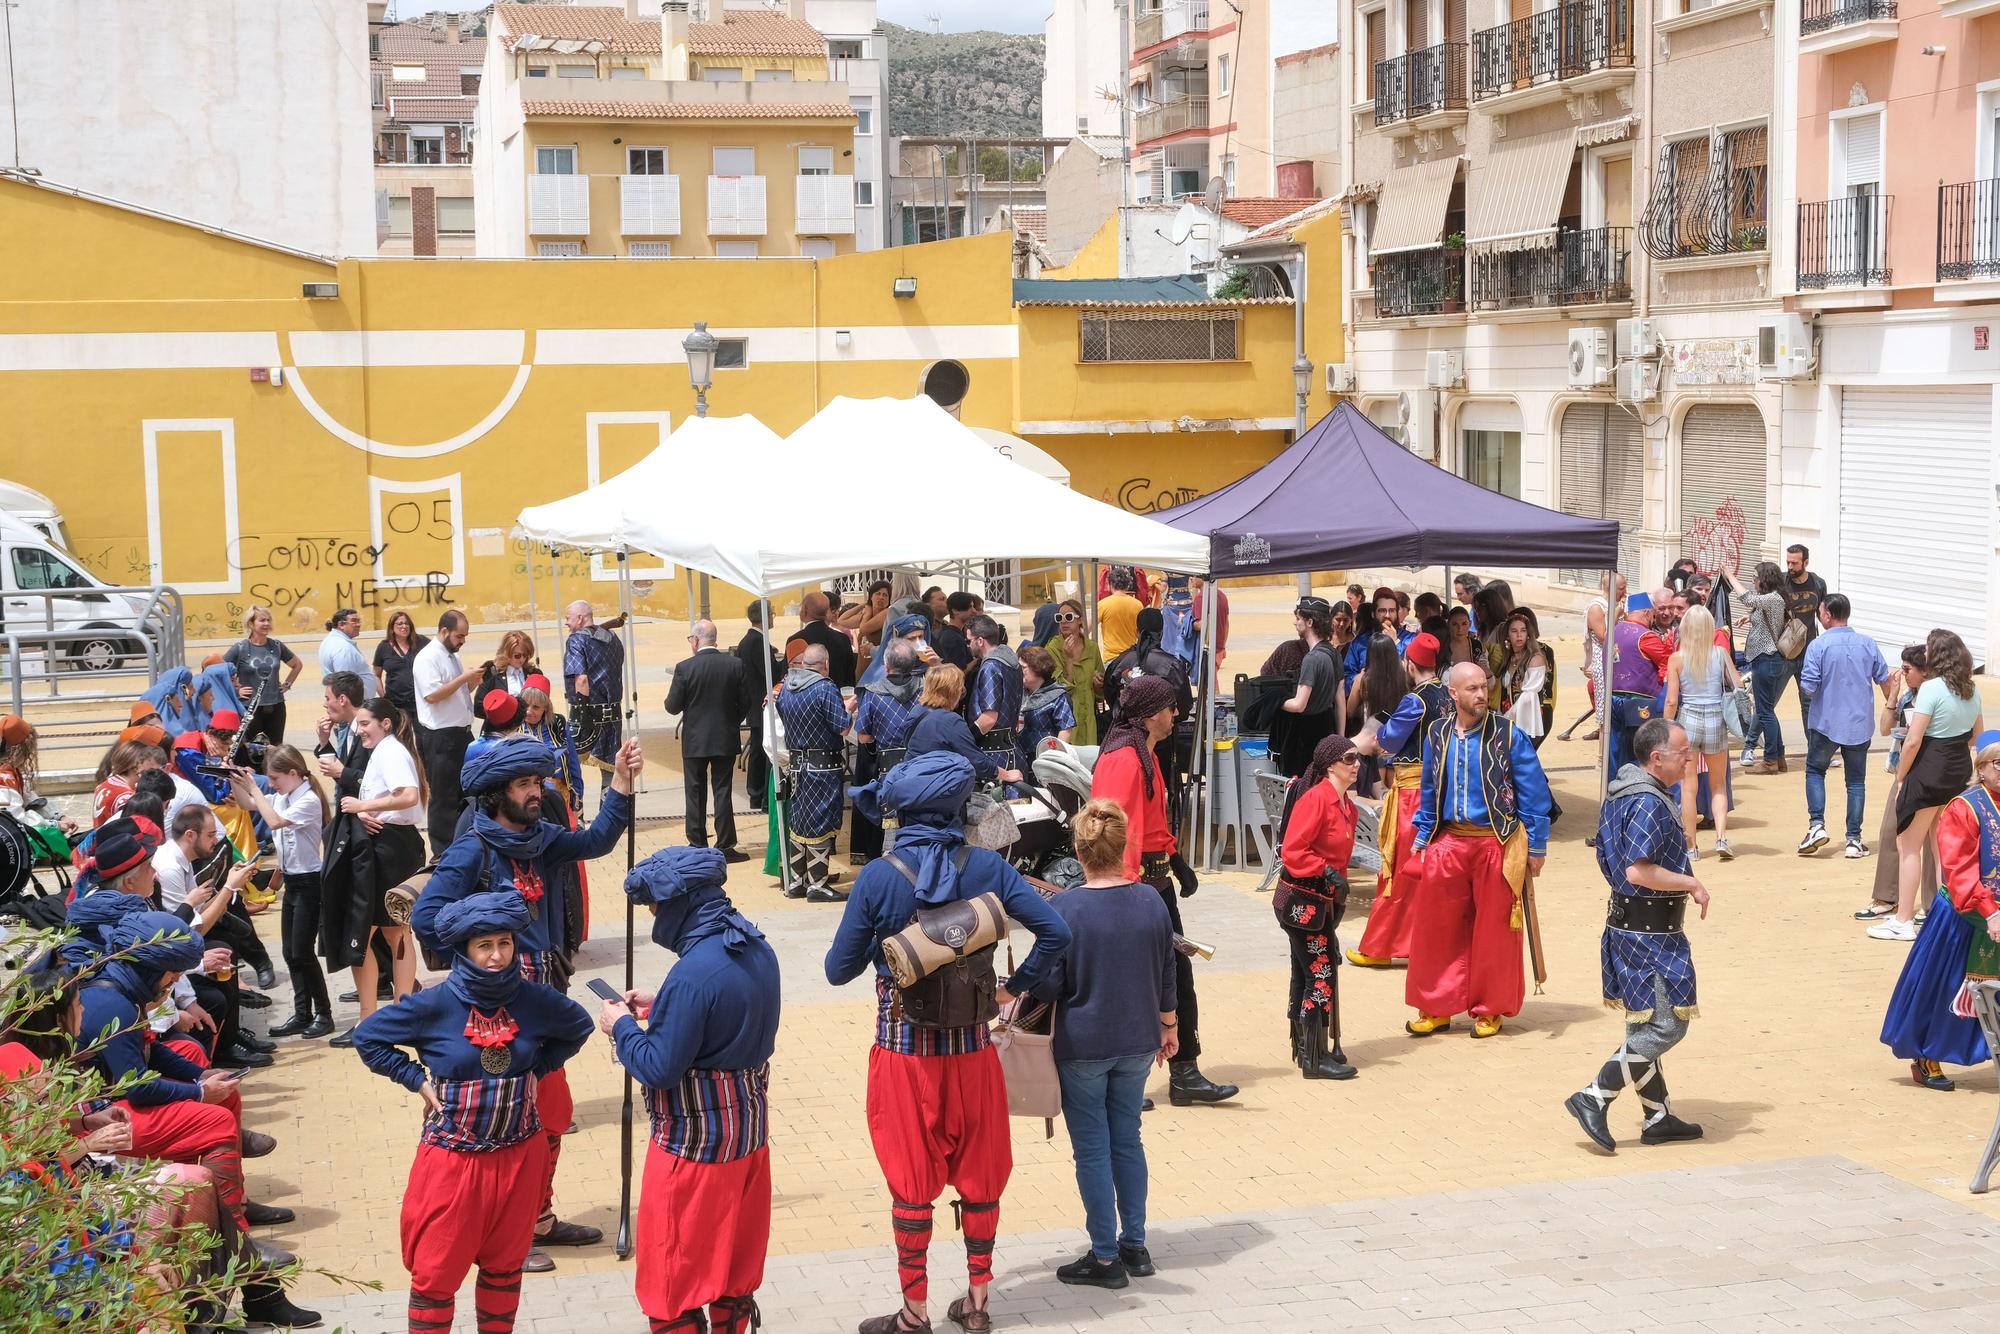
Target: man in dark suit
<point>344,759</point>
<point>753,651</point>
<point>710,694</point>
<point>814,608</point>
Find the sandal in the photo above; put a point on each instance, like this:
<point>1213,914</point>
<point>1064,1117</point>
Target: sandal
<point>967,1317</point>
<point>900,1321</point>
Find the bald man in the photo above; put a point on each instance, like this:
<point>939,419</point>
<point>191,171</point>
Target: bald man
<point>1482,828</point>
<point>594,673</point>
<point>711,692</point>
<point>814,608</point>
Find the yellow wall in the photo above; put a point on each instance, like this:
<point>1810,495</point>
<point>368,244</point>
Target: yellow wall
<point>1099,256</point>
<point>1056,386</point>
<point>1326,341</point>
<point>1145,473</point>
<point>804,69</point>
<point>688,145</point>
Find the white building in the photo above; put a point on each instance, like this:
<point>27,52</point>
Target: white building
<point>241,114</point>
<point>858,55</point>
<point>1083,66</point>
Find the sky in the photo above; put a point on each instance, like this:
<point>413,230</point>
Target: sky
<point>952,15</point>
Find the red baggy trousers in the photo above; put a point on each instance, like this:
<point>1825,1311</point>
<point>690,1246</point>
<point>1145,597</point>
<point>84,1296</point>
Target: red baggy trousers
<point>556,1108</point>
<point>1465,955</point>
<point>205,1133</point>
<point>702,1230</point>
<point>940,1121</point>
<point>1393,917</point>
<point>462,1209</point>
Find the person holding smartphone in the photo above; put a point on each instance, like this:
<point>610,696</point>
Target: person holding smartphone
<point>704,1057</point>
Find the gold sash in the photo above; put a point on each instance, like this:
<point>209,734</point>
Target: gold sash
<point>1513,858</point>
<point>1407,777</point>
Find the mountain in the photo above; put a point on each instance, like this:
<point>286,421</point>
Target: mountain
<point>977,83</point>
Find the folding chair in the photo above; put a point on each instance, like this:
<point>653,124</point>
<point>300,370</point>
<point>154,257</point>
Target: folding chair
<point>1986,1004</point>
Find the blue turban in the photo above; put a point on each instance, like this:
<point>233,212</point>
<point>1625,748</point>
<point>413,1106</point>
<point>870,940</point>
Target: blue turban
<point>927,793</point>
<point>172,697</point>
<point>672,872</point>
<point>690,904</point>
<point>484,914</point>
<point>503,761</point>
<point>220,682</point>
<point>177,949</point>
<point>907,625</point>
<point>92,917</point>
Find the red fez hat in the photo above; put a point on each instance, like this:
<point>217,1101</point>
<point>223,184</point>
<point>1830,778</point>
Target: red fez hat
<point>1423,651</point>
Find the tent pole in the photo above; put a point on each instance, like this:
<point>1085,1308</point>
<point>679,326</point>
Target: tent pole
<point>768,736</point>
<point>1201,800</point>
<point>624,1246</point>
<point>555,580</point>
<point>1447,595</point>
<point>534,626</point>
<point>1611,619</point>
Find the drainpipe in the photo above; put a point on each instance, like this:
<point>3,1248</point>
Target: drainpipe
<point>1304,577</point>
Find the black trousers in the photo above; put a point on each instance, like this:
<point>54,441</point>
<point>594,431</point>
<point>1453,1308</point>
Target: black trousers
<point>1188,1011</point>
<point>300,914</point>
<point>219,999</point>
<point>757,765</point>
<point>267,722</point>
<point>443,754</point>
<point>703,776</point>
<point>234,929</point>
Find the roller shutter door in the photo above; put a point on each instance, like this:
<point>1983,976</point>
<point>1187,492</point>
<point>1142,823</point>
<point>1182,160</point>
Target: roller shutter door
<point>1723,472</point>
<point>1601,473</point>
<point>1916,506</point>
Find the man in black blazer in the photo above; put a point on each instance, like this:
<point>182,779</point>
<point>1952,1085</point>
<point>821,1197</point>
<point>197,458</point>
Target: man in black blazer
<point>344,759</point>
<point>710,694</point>
<point>814,608</point>
<point>753,650</point>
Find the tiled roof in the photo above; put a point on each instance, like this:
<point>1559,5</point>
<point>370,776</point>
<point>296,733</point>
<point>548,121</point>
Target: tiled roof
<point>1256,211</point>
<point>583,23</point>
<point>1031,219</point>
<point>397,40</point>
<point>457,109</point>
<point>1282,229</point>
<point>606,110</point>
<point>753,34</point>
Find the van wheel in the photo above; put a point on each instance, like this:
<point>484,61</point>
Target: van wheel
<point>98,652</point>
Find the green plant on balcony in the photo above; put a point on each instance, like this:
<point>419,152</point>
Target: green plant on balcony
<point>1747,238</point>
<point>1455,241</point>
<point>1236,287</point>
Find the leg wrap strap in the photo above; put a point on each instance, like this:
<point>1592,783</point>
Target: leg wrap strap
<point>912,1224</point>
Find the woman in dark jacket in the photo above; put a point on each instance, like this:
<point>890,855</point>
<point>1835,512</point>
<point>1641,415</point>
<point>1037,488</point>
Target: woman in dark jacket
<point>942,727</point>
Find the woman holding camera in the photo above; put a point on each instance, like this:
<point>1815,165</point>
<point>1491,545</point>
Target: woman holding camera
<point>1312,895</point>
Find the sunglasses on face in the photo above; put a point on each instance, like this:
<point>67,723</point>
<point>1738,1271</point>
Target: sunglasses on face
<point>1348,759</point>
<point>1068,616</point>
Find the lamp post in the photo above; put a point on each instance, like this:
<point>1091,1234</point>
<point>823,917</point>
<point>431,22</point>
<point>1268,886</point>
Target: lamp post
<point>700,349</point>
<point>1302,376</point>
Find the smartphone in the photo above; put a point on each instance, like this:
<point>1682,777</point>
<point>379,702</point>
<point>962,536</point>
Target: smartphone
<point>604,989</point>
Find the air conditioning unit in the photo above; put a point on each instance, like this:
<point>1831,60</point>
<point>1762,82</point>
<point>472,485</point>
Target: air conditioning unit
<point>1443,370</point>
<point>1415,419</point>
<point>1340,377</point>
<point>1589,358</point>
<point>1638,381</point>
<point>1638,339</point>
<point>1784,348</point>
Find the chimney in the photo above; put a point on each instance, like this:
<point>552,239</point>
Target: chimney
<point>674,38</point>
<point>451,34</point>
<point>796,9</point>
<point>423,222</point>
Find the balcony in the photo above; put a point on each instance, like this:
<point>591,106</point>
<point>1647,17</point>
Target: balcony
<point>1968,245</point>
<point>736,206</point>
<point>1968,9</point>
<point>559,205</point>
<point>1827,26</point>
<point>1567,269</point>
<point>1419,282</point>
<point>825,206</point>
<point>1844,242</point>
<point>649,205</point>
<point>1567,51</point>
<point>405,157</point>
<point>1164,24</point>
<point>1170,118</point>
<point>1424,89</point>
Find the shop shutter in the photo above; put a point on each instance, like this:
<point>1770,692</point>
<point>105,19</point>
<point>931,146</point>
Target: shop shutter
<point>1916,528</point>
<point>1723,489</point>
<point>1601,473</point>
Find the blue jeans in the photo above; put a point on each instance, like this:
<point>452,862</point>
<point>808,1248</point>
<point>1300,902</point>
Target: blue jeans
<point>1796,668</point>
<point>1768,675</point>
<point>1101,1107</point>
<point>1853,767</point>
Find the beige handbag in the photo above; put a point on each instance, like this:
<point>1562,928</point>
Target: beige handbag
<point>1024,1036</point>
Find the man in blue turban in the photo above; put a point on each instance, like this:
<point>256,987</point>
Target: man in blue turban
<point>704,1059</point>
<point>517,843</point>
<point>937,1102</point>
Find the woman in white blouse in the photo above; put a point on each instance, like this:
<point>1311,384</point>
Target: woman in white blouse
<point>391,808</point>
<point>1523,673</point>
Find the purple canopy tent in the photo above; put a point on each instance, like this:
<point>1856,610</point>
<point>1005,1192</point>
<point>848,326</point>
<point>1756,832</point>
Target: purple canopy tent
<point>1343,495</point>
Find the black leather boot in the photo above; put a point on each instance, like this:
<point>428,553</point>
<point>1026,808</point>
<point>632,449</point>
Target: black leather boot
<point>1317,1063</point>
<point>1186,1085</point>
<point>266,1303</point>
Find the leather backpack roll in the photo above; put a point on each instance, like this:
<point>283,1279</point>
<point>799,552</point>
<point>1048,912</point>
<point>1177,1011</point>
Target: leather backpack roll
<point>943,935</point>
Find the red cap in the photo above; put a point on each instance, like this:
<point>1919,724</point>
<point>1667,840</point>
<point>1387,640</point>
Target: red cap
<point>536,681</point>
<point>500,707</point>
<point>1383,592</point>
<point>1423,651</point>
<point>224,720</point>
<point>190,741</point>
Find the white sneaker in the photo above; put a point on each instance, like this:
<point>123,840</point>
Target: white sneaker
<point>1891,928</point>
<point>1814,840</point>
<point>1834,763</point>
<point>1856,848</point>
<point>1723,851</point>
<point>1750,757</point>
<point>1694,855</point>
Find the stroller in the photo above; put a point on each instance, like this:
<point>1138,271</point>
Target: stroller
<point>1045,847</point>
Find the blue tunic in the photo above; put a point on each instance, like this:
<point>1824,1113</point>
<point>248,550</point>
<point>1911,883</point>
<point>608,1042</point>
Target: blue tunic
<point>1640,822</point>
<point>996,689</point>
<point>886,720</point>
<point>1044,714</point>
<point>815,719</point>
<point>598,657</point>
<point>941,729</point>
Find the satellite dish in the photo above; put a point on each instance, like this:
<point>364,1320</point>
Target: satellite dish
<point>1217,188</point>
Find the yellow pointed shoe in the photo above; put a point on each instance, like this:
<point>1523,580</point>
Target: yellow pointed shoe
<point>1360,960</point>
<point>1426,1024</point>
<point>1486,1025</point>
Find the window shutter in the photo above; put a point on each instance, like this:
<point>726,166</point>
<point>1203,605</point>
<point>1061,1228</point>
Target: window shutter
<point>1862,136</point>
<point>1377,46</point>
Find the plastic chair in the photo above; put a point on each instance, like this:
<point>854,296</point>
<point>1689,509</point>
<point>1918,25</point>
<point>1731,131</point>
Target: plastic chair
<point>1986,1004</point>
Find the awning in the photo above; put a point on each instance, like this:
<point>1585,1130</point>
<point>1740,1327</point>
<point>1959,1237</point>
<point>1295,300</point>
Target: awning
<point>1520,190</point>
<point>1410,212</point>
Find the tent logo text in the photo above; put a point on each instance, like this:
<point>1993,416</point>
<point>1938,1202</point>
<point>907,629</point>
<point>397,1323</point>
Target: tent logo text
<point>1252,550</point>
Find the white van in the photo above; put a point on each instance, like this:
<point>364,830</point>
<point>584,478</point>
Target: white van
<point>36,510</point>
<point>31,565</point>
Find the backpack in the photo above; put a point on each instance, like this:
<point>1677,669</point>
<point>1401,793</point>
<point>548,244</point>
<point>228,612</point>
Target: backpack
<point>942,962</point>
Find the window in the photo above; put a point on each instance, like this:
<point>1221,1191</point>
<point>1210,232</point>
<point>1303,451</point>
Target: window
<point>1710,195</point>
<point>627,72</point>
<point>864,115</point>
<point>815,162</point>
<point>734,250</point>
<point>733,161</point>
<point>1746,173</point>
<point>375,89</point>
<point>553,160</point>
<point>1222,75</point>
<point>645,162</point>
<point>559,249</point>
<point>846,48</point>
<point>454,215</point>
<point>732,75</point>
<point>1229,174</point>
<point>1184,181</point>
<point>538,71</point>
<point>38,570</point>
<point>774,76</point>
<point>1375,50</point>
<point>732,354</point>
<point>468,80</point>
<point>576,71</point>
<point>399,215</point>
<point>1157,336</point>
<point>864,194</point>
<point>409,73</point>
<point>426,152</point>
<point>1491,459</point>
<point>649,249</point>
<point>816,247</point>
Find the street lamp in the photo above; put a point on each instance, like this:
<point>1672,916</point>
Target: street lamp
<point>1302,378</point>
<point>700,349</point>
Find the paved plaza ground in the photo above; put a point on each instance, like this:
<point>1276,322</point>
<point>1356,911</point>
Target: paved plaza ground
<point>1444,1189</point>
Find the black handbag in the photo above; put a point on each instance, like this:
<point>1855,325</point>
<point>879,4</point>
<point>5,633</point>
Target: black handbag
<point>1311,908</point>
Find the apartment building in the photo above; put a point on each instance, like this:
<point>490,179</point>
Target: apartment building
<point>614,130</point>
<point>1892,272</point>
<point>1083,68</point>
<point>423,93</point>
<point>941,186</point>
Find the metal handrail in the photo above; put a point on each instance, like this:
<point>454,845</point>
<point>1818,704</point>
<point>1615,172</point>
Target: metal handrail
<point>1845,242</point>
<point>1825,15</point>
<point>1969,230</point>
<point>1555,44</point>
<point>1566,269</point>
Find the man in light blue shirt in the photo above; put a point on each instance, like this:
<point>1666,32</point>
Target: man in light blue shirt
<point>1841,673</point>
<point>338,652</point>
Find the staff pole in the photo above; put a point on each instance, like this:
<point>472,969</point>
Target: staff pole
<point>631,857</point>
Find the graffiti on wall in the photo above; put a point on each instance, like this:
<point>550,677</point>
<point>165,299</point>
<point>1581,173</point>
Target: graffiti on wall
<point>1715,541</point>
